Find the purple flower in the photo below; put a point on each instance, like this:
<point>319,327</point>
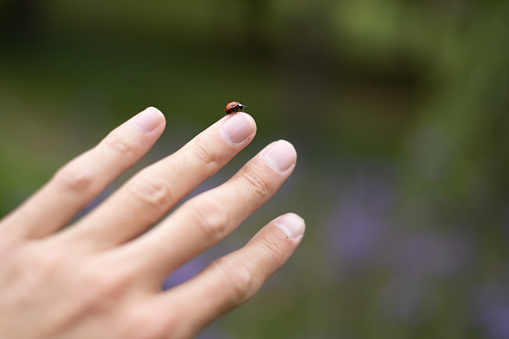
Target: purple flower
<point>429,255</point>
<point>492,306</point>
<point>359,223</point>
<point>184,273</point>
<point>407,299</point>
<point>213,332</point>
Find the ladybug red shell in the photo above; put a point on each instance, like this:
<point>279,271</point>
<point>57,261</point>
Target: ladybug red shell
<point>234,107</point>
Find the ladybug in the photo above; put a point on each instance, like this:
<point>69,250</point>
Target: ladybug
<point>234,107</point>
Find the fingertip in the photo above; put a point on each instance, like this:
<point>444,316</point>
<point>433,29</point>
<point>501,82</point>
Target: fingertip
<point>149,119</point>
<point>280,156</point>
<point>237,128</point>
<point>292,225</point>
<point>253,122</point>
<point>157,112</point>
<point>152,108</point>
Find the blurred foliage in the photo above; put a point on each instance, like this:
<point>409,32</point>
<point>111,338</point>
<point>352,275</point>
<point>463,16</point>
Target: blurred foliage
<point>398,109</point>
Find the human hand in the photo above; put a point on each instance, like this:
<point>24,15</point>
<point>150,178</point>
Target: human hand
<point>101,278</point>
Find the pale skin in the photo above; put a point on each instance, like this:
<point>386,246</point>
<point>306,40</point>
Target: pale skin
<point>101,277</point>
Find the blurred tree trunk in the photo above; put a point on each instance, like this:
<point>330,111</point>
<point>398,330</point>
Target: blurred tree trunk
<point>256,11</point>
<point>21,21</point>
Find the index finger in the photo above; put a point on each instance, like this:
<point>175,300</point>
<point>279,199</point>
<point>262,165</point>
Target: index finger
<point>83,178</point>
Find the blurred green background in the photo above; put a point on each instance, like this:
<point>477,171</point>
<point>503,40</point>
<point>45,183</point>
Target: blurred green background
<point>398,110</point>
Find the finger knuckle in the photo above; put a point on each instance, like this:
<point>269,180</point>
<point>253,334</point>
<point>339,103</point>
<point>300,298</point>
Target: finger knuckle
<point>238,279</point>
<point>118,145</point>
<point>204,151</point>
<point>210,217</point>
<point>75,177</point>
<point>274,250</point>
<point>153,193</point>
<point>258,184</point>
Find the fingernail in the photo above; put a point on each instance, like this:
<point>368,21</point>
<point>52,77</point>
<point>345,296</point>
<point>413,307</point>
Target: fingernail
<point>280,156</point>
<point>292,225</point>
<point>148,120</point>
<point>237,128</point>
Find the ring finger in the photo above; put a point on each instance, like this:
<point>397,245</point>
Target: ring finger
<point>206,219</point>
